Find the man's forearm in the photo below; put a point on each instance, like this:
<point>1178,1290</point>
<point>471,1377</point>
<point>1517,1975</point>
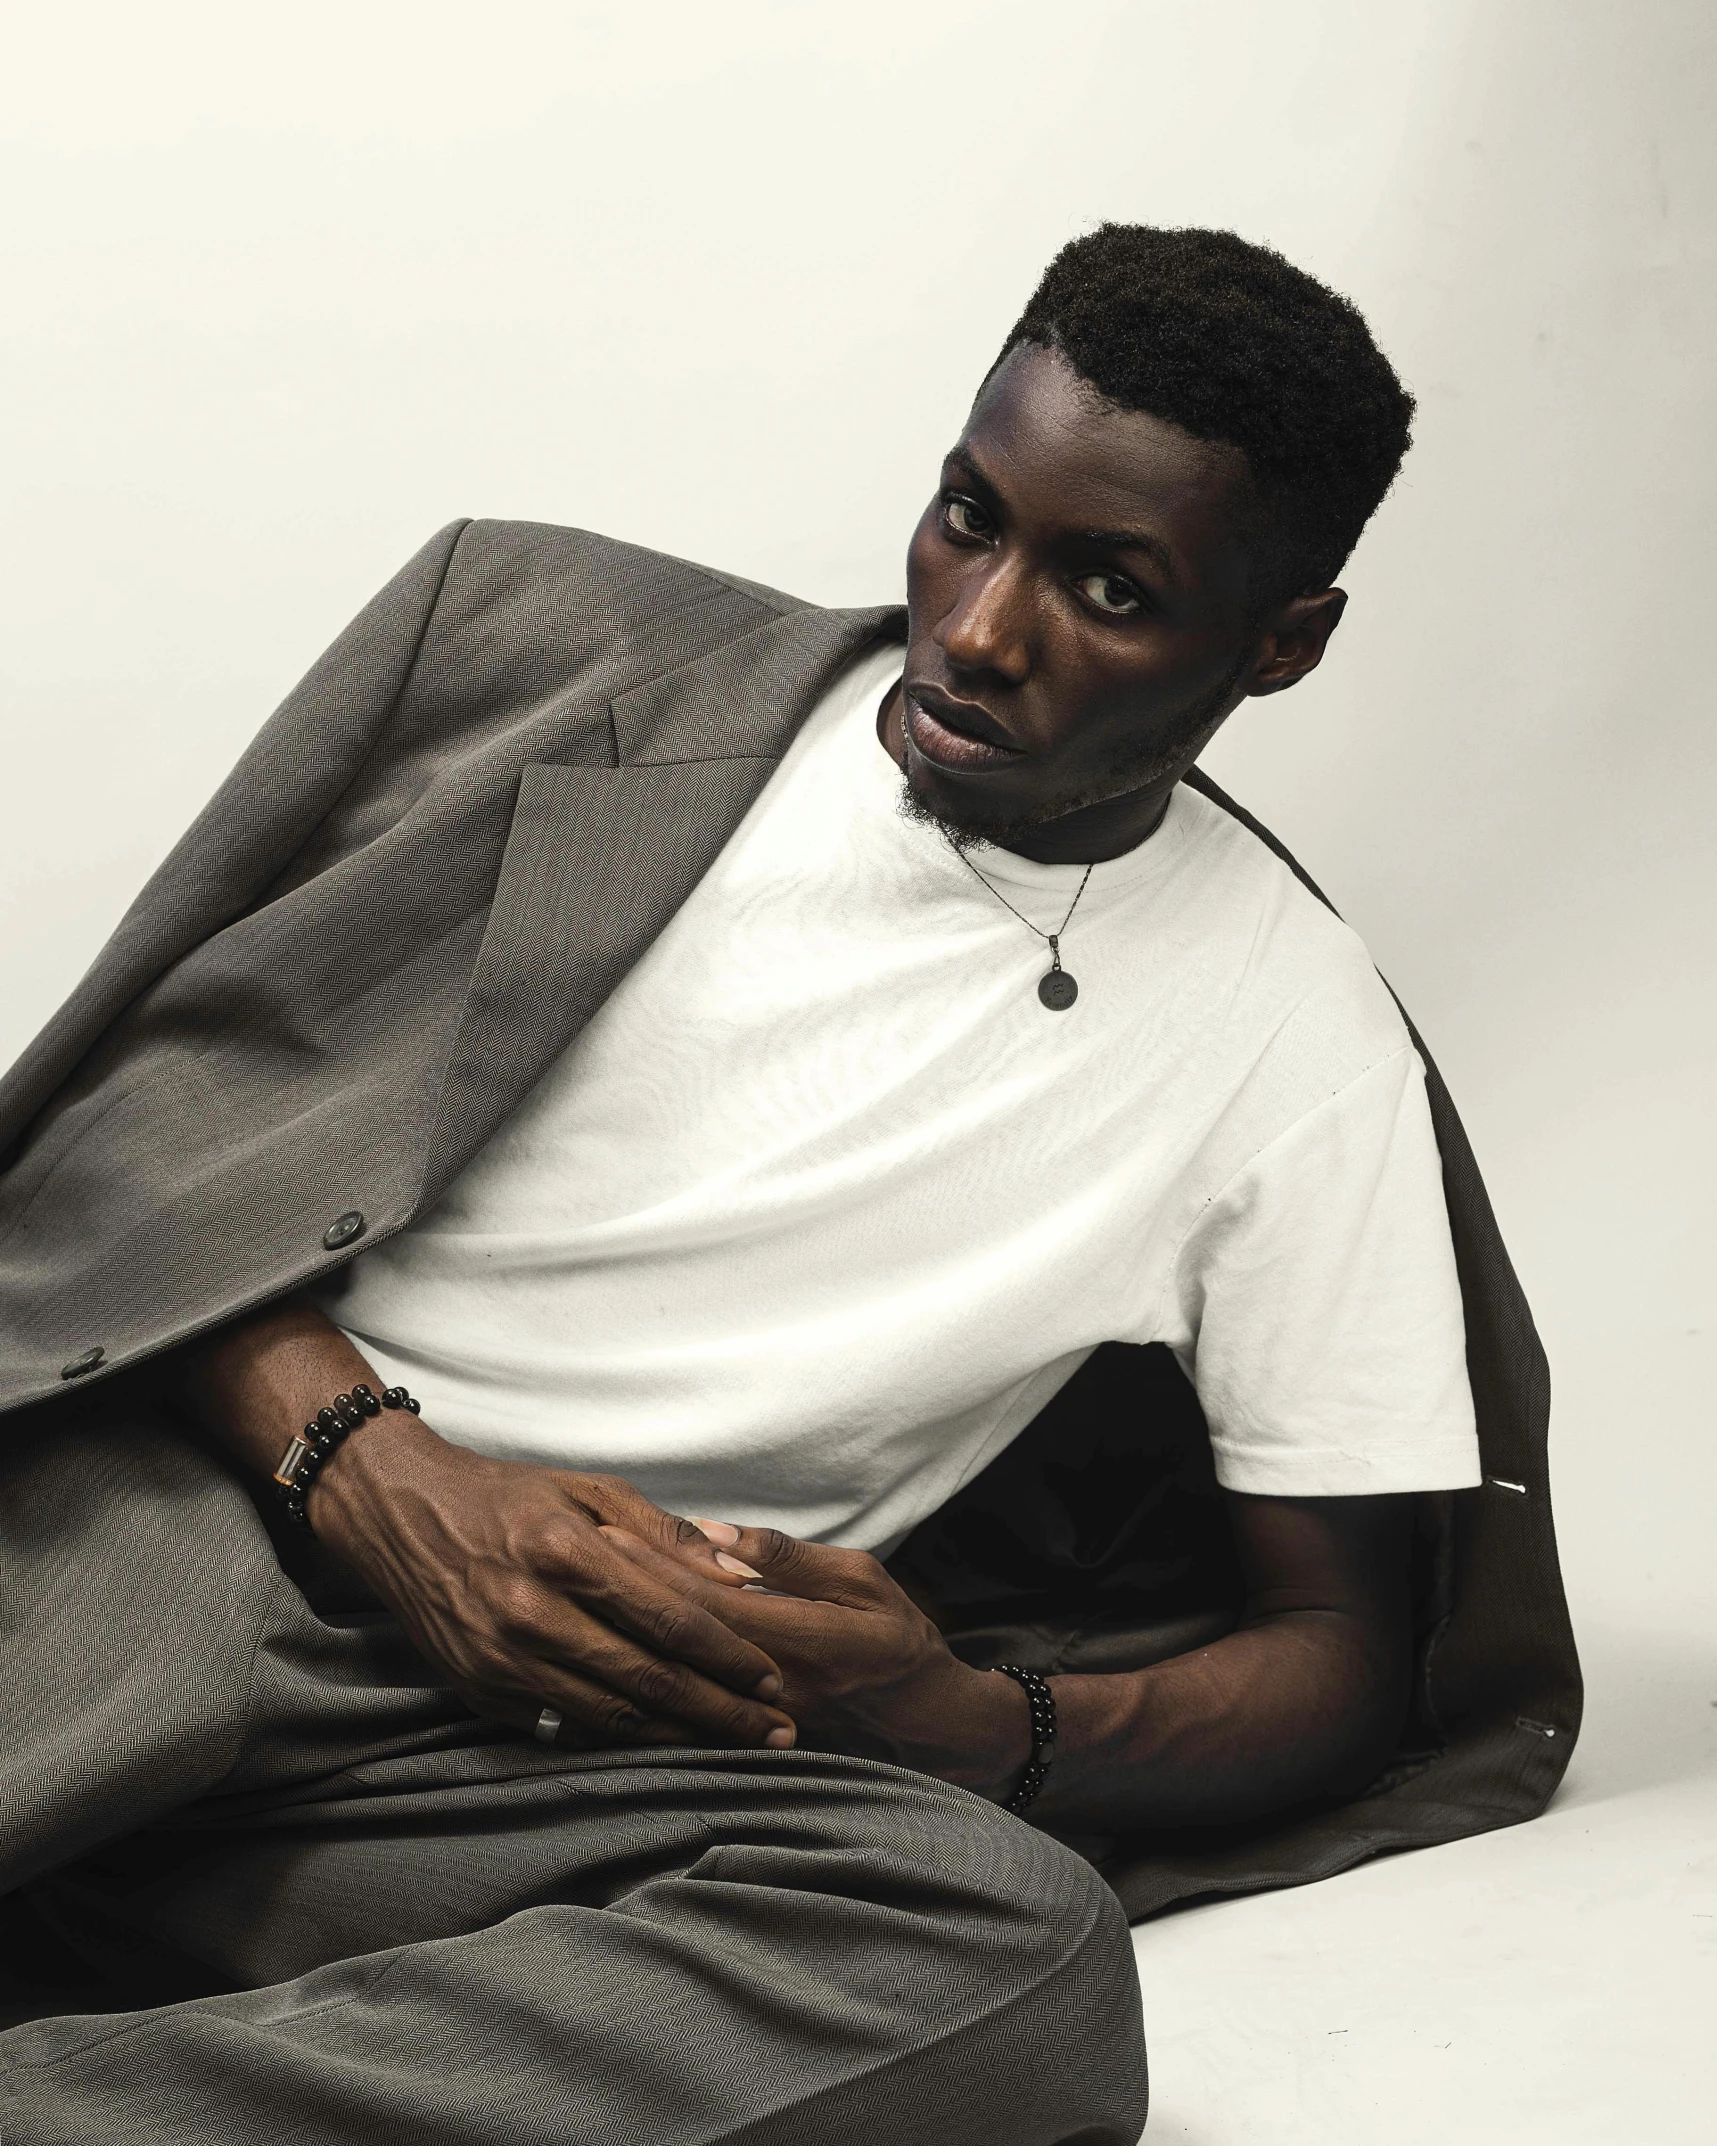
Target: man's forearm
<point>253,1385</point>
<point>1299,1705</point>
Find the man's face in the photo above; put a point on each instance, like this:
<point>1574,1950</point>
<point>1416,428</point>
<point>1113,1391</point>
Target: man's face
<point>1080,617</point>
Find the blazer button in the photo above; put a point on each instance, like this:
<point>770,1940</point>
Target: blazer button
<point>88,1361</point>
<point>342,1230</point>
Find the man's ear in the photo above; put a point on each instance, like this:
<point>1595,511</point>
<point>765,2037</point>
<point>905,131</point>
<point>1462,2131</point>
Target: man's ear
<point>1295,638</point>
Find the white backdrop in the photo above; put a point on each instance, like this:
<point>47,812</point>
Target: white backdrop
<point>287,290</point>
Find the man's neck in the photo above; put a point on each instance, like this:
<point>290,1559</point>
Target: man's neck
<point>1094,834</point>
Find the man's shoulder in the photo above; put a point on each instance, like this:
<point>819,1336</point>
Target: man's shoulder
<point>529,564</point>
<point>1299,976</point>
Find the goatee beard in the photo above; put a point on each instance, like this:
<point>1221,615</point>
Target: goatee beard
<point>1190,735</point>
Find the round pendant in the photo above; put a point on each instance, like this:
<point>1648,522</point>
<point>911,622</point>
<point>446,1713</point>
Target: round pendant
<point>1057,990</point>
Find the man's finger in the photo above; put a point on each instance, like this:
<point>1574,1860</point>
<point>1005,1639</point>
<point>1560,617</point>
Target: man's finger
<point>735,1595</point>
<point>612,1501</point>
<point>657,1644</point>
<point>663,1611</point>
<point>775,1618</point>
<point>814,1571</point>
<point>591,1716</point>
<point>666,1689</point>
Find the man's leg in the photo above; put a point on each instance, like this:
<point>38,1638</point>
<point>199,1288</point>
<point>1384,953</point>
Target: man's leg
<point>455,1938</point>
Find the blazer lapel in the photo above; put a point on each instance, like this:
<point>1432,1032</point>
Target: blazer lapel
<point>748,696</point>
<point>598,859</point>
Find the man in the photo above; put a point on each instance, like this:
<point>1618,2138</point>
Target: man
<point>767,1094</point>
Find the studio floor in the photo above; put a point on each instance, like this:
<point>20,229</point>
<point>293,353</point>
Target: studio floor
<point>1555,1982</point>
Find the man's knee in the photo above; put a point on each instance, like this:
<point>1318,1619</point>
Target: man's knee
<point>1056,2040</point>
<point>1081,1941</point>
<point>1064,2060</point>
<point>1030,1880</point>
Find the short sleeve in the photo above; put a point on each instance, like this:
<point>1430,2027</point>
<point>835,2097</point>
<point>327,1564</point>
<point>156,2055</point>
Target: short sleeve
<point>1318,1288</point>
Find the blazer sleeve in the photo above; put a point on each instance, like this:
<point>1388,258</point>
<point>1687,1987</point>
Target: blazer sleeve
<point>301,760</point>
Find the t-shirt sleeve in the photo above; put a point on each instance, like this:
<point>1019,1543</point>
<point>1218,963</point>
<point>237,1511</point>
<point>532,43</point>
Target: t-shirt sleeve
<point>1318,1289</point>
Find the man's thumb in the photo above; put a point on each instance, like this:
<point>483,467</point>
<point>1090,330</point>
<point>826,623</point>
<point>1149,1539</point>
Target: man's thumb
<point>723,1533</point>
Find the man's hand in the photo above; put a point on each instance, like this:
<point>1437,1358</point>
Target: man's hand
<point>498,1571</point>
<point>867,1673</point>
<point>503,1575</point>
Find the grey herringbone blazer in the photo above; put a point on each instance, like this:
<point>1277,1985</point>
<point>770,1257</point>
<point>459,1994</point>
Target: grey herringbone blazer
<point>432,866</point>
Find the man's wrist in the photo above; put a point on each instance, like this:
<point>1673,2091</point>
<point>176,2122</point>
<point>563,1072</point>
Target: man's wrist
<point>361,1477</point>
<point>993,1717</point>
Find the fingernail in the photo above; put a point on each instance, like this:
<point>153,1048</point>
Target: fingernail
<point>717,1530</point>
<point>766,1687</point>
<point>732,1564</point>
<point>781,1739</point>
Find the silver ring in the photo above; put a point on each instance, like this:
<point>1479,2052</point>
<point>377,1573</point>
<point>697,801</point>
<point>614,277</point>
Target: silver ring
<point>548,1726</point>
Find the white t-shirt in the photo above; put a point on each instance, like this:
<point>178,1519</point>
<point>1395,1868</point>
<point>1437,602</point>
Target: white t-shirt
<point>824,1205</point>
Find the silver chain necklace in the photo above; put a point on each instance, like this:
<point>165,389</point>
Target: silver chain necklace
<point>1055,986</point>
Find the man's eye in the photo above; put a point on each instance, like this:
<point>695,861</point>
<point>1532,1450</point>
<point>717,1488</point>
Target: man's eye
<point>1109,592</point>
<point>966,518</point>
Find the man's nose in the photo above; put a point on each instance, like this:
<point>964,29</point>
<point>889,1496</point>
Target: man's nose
<point>988,627</point>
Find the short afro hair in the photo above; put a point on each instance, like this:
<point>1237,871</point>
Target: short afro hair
<point>1232,343</point>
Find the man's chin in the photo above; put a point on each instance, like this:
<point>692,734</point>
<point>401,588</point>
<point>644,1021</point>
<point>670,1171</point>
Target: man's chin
<point>967,827</point>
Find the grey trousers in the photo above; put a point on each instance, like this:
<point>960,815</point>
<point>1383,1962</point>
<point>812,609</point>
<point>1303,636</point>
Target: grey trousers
<point>343,1911</point>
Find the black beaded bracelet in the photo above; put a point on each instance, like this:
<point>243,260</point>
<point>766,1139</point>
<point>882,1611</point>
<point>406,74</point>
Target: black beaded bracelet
<point>311,1448</point>
<point>1042,1701</point>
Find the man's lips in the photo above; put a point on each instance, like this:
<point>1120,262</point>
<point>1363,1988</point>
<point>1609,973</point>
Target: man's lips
<point>954,734</point>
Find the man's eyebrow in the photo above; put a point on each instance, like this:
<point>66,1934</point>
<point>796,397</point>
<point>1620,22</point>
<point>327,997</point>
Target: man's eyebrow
<point>1133,540</point>
<point>958,458</point>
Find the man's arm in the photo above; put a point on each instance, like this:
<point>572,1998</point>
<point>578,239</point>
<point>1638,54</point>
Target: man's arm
<point>498,1571</point>
<point>529,1586</point>
<point>1304,1699</point>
